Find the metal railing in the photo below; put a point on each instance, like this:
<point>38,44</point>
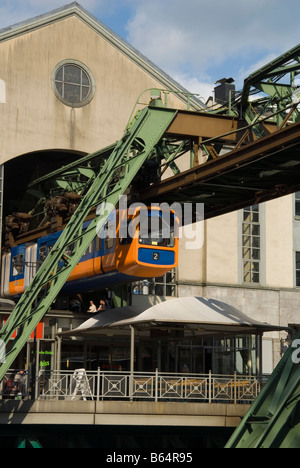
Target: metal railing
<point>155,386</point>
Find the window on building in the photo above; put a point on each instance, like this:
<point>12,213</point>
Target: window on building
<point>297,268</point>
<point>166,285</point>
<point>297,204</point>
<point>73,84</point>
<point>251,244</point>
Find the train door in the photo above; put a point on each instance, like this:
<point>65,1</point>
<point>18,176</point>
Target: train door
<point>109,244</point>
<point>16,284</point>
<point>30,264</point>
<point>97,255</point>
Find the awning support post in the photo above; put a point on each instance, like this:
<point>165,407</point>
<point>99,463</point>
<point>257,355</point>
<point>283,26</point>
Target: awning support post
<point>131,360</point>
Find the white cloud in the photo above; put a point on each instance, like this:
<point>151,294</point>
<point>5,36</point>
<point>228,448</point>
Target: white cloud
<point>196,41</point>
<point>198,36</point>
<point>203,90</point>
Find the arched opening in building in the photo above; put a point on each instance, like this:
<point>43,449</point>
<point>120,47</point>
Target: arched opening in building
<point>20,172</point>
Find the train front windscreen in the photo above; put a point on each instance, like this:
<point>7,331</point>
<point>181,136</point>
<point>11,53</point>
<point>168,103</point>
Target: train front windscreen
<point>157,228</point>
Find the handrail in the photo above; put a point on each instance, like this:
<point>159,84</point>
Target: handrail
<point>155,386</point>
<point>124,385</point>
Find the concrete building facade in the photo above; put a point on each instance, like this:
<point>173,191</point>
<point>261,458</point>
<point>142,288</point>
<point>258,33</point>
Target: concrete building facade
<point>68,86</point>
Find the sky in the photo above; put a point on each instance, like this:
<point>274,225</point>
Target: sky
<point>197,42</point>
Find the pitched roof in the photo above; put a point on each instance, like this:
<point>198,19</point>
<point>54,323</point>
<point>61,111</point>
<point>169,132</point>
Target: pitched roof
<point>74,9</point>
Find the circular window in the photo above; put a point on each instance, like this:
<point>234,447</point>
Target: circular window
<point>73,84</point>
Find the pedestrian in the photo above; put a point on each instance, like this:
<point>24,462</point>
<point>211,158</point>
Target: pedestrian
<point>92,309</point>
<point>102,306</point>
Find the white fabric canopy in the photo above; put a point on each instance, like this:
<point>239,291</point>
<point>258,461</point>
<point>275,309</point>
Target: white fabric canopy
<point>207,315</point>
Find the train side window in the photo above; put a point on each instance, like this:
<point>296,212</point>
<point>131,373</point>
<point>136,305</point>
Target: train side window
<point>89,250</point>
<point>109,235</point>
<point>17,264</point>
<point>97,243</point>
<point>42,253</point>
<point>128,239</point>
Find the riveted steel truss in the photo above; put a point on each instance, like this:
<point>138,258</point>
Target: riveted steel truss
<point>119,169</point>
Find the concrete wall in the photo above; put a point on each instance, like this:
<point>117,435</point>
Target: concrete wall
<point>34,119</point>
<point>121,413</point>
<point>219,260</point>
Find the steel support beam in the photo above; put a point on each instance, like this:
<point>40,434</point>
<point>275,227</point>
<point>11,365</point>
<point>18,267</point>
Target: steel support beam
<point>273,420</point>
<point>130,153</point>
<point>275,153</point>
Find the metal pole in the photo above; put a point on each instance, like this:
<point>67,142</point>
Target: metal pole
<point>98,384</point>
<point>209,387</point>
<point>131,360</point>
<point>132,350</point>
<point>58,358</point>
<point>235,389</point>
<point>37,367</point>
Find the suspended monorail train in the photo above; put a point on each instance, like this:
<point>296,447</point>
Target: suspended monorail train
<point>110,259</point>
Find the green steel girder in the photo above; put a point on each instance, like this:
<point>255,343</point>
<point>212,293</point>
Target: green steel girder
<point>76,177</point>
<point>74,180</point>
<point>171,150</point>
<point>28,442</point>
<point>130,153</point>
<point>279,90</point>
<point>87,161</point>
<point>286,64</point>
<point>276,80</point>
<point>273,420</point>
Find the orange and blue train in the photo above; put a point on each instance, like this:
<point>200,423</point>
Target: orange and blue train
<point>109,260</point>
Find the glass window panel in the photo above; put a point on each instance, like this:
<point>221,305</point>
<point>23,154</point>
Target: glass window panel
<point>85,81</point>
<point>59,75</point>
<point>298,268</point>
<point>17,264</point>
<point>298,260</point>
<point>71,93</point>
<point>246,241</point>
<point>72,83</point>
<point>255,278</point>
<point>256,254</point>
<point>247,216</point>
<point>72,74</point>
<point>247,277</point>
<point>251,244</point>
<point>246,253</point>
<point>170,290</point>
<point>59,87</point>
<point>246,229</point>
<point>255,242</point>
<point>163,286</point>
<point>84,92</point>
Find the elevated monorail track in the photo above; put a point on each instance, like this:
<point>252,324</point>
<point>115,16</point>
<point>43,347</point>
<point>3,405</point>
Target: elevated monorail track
<point>260,171</point>
<point>242,152</point>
